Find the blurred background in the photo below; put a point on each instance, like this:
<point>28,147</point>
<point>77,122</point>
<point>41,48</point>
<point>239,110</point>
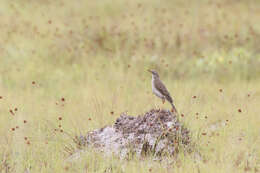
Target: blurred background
<point>76,65</point>
<point>185,39</point>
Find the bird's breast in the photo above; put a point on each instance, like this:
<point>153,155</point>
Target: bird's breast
<point>155,91</point>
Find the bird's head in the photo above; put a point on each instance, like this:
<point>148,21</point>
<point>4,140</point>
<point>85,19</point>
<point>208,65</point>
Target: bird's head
<point>154,73</point>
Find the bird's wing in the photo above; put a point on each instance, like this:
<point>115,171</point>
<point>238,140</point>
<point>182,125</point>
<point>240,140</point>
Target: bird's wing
<point>161,87</point>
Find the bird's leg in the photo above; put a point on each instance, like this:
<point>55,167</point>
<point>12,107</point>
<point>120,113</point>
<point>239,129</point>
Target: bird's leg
<point>163,100</point>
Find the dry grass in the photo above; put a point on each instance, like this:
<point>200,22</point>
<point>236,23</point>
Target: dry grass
<point>95,55</point>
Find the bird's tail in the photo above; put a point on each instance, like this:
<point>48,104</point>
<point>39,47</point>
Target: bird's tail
<point>174,108</point>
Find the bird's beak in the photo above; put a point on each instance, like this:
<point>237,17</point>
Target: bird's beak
<point>149,70</point>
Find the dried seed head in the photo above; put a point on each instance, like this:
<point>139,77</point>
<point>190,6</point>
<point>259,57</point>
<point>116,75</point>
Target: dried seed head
<point>11,111</point>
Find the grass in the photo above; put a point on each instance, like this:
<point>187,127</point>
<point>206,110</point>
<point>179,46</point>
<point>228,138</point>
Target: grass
<point>95,56</point>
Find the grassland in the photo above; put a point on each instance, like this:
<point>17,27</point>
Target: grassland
<point>68,67</point>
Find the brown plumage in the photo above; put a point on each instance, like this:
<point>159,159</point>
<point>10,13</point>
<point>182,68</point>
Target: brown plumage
<point>160,90</point>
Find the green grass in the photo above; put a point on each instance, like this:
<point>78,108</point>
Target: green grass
<point>95,55</point>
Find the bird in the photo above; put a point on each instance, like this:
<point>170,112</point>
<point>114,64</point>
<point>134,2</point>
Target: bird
<point>160,90</point>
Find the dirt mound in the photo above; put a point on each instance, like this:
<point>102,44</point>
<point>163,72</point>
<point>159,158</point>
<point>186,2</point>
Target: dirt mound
<point>157,132</point>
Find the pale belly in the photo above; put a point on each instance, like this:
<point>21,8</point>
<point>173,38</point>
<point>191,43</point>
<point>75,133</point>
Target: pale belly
<point>156,92</point>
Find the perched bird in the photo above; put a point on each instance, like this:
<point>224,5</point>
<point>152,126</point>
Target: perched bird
<point>160,90</point>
